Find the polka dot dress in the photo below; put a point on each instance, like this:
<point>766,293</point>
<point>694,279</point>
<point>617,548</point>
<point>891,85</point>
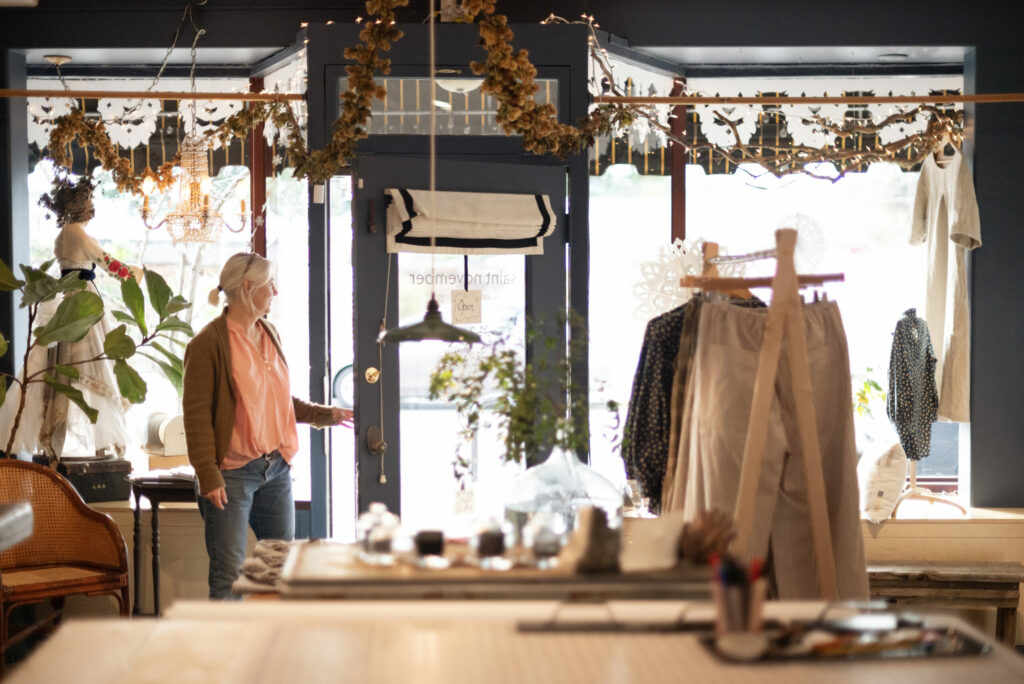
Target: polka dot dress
<point>913,400</point>
<point>645,442</point>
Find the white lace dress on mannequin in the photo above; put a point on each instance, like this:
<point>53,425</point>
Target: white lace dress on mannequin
<point>50,423</point>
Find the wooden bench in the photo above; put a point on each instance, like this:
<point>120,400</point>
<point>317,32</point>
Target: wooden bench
<point>953,584</point>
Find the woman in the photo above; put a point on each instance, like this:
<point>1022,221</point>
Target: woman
<point>240,421</point>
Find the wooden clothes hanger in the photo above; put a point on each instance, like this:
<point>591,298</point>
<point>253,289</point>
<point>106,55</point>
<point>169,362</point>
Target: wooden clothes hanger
<point>945,150</point>
<point>783,323</point>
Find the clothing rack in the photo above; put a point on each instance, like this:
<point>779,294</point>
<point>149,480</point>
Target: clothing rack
<point>730,283</point>
<point>784,323</point>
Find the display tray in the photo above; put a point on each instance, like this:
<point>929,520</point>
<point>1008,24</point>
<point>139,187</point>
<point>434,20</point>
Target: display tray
<point>329,570</point>
<point>825,643</point>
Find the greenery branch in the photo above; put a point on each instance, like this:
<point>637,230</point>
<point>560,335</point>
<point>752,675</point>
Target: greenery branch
<point>535,405</point>
<point>867,391</point>
<point>78,311</point>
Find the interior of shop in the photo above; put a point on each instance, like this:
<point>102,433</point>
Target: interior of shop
<point>586,310</point>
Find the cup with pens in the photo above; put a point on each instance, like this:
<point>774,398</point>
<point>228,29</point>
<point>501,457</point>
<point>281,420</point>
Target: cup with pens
<point>738,593</point>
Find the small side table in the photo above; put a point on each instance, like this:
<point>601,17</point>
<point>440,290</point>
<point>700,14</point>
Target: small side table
<point>954,584</point>
<point>157,491</point>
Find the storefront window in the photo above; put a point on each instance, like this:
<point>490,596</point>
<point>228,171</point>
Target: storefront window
<point>461,108</point>
<point>630,215</point>
<point>288,247</point>
<point>859,226</point>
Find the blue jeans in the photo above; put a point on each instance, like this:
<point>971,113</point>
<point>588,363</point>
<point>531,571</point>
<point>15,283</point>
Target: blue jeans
<point>260,496</point>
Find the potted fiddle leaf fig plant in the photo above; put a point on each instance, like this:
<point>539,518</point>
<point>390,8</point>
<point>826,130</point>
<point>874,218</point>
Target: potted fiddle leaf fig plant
<point>78,310</point>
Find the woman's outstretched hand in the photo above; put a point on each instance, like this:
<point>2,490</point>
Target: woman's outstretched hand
<point>341,416</point>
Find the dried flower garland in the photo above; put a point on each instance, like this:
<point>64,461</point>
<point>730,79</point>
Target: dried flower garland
<point>377,35</point>
<point>509,77</point>
<point>318,166</point>
<point>74,127</point>
<point>783,159</point>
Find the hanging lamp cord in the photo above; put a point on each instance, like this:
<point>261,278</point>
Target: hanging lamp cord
<point>187,14</point>
<point>192,70</point>
<point>433,148</point>
<point>433,212</point>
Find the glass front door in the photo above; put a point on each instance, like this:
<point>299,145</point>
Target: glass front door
<point>424,473</point>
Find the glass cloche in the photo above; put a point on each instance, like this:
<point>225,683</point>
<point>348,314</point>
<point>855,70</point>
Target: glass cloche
<point>562,485</point>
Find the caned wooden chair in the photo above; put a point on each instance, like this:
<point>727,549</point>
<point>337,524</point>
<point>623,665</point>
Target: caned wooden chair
<point>73,550</point>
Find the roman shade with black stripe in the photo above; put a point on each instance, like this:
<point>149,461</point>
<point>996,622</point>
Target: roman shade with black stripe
<point>467,222</point>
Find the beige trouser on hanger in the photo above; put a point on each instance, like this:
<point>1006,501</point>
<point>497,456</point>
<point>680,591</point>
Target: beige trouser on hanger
<point>726,362</point>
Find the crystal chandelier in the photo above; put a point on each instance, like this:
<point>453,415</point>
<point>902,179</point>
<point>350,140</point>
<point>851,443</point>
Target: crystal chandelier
<point>192,219</point>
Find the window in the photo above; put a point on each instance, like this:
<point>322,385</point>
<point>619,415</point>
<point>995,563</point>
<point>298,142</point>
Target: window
<point>461,109</point>
<point>859,225</point>
<point>288,247</point>
<point>630,219</point>
<point>342,445</point>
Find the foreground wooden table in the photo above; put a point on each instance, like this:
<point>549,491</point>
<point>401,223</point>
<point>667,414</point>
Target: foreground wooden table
<point>953,584</point>
<point>442,642</point>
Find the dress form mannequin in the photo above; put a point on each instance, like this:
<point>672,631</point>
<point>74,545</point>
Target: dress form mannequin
<point>50,423</point>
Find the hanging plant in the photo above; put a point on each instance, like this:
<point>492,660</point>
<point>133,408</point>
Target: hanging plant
<point>535,405</point>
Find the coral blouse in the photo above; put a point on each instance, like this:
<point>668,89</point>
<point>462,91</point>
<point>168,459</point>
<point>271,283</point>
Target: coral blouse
<point>264,413</point>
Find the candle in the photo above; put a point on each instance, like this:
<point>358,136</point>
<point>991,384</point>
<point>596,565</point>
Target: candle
<point>145,203</point>
<point>243,208</point>
<point>206,202</point>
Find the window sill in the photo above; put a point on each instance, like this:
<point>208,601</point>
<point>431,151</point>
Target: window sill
<point>945,521</point>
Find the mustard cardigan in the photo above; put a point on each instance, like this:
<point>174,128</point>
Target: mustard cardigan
<point>209,400</point>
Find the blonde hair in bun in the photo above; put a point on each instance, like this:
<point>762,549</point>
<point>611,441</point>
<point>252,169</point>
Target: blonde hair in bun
<point>237,269</point>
